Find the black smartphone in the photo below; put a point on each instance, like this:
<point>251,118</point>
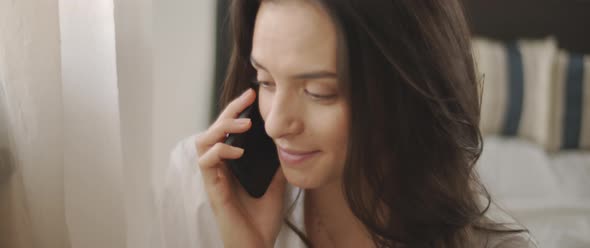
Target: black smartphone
<point>259,163</point>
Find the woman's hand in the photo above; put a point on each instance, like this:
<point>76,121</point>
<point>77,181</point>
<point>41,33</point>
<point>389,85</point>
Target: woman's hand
<point>244,221</point>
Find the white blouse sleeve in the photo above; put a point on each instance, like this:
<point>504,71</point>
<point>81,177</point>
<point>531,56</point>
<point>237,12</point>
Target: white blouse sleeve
<point>186,218</point>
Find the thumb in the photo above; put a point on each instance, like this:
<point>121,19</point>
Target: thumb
<point>278,184</point>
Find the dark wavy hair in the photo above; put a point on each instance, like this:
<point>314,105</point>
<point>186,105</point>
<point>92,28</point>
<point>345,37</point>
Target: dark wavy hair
<point>407,71</point>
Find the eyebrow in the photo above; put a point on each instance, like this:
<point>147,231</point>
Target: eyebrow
<point>301,76</point>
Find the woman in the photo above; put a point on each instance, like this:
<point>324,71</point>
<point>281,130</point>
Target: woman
<point>373,106</point>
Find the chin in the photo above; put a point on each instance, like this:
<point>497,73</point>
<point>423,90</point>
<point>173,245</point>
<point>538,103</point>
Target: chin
<point>304,179</point>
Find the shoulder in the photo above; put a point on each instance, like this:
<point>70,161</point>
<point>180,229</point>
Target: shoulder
<point>183,154</point>
<point>182,174</point>
<point>520,238</point>
<point>185,214</point>
<point>511,240</point>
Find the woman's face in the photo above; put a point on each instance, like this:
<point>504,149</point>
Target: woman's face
<point>305,113</point>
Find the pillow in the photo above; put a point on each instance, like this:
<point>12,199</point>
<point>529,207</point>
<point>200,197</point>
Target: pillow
<point>516,87</point>
<point>570,120</point>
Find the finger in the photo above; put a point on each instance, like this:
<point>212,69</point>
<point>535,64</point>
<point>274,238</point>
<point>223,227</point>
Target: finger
<point>238,105</point>
<point>218,153</point>
<point>223,192</point>
<point>225,173</point>
<point>213,159</point>
<point>217,132</point>
<point>278,183</point>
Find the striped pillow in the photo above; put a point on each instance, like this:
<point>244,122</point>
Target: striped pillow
<point>516,87</point>
<point>570,120</point>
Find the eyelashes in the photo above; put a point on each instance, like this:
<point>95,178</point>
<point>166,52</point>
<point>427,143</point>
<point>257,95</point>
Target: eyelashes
<point>270,86</point>
<point>259,84</point>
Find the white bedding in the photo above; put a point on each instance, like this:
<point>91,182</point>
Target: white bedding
<point>548,193</point>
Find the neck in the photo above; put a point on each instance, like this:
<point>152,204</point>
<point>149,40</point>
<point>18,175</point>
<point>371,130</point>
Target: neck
<point>327,208</point>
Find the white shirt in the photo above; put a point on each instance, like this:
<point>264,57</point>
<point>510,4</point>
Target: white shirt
<point>187,218</point>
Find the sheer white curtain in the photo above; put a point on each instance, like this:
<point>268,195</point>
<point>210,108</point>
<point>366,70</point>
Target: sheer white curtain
<point>94,95</point>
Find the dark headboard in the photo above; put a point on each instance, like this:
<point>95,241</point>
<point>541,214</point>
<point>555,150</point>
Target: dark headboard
<point>567,20</point>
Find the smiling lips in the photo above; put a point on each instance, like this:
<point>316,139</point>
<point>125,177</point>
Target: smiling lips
<point>294,157</point>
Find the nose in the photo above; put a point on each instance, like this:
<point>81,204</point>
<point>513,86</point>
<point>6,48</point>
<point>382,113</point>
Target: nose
<point>284,117</point>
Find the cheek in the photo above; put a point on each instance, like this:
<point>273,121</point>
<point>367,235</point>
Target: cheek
<point>264,103</point>
<point>332,127</point>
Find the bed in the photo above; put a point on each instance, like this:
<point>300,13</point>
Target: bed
<point>547,192</point>
<point>542,184</point>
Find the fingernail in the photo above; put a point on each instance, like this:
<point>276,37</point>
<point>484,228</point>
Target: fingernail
<point>238,150</point>
<point>242,121</point>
